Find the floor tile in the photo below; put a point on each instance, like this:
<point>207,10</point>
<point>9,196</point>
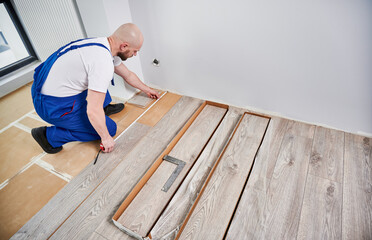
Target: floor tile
<point>17,147</point>
<point>33,123</point>
<point>74,157</point>
<point>156,113</point>
<point>24,196</point>
<point>15,105</point>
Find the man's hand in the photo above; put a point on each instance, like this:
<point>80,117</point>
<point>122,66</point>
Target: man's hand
<point>152,94</point>
<point>97,118</point>
<point>132,79</point>
<point>108,144</point>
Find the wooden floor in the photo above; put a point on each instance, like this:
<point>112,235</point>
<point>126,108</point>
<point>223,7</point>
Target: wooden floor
<point>277,179</point>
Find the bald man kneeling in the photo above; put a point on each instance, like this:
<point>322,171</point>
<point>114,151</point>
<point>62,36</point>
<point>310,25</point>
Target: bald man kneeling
<point>70,89</point>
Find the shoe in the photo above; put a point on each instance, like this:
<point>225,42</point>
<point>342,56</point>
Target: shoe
<point>39,134</point>
<point>113,108</point>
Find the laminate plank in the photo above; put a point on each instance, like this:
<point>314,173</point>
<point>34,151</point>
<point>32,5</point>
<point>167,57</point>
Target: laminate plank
<point>357,194</point>
<point>275,212</point>
<point>213,212</point>
<point>267,155</point>
<point>54,213</point>
<point>164,130</point>
<point>141,100</point>
<point>96,236</point>
<point>327,154</point>
<point>153,116</point>
<point>147,206</point>
<point>112,191</point>
<point>84,221</point>
<point>321,210</point>
<point>181,203</point>
<point>254,195</point>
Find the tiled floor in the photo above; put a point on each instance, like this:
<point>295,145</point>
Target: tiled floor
<point>29,178</point>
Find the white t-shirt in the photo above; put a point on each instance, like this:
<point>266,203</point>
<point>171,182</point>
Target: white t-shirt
<point>90,67</point>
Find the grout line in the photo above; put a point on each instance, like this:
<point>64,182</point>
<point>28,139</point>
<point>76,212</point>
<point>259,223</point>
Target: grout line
<point>23,127</point>
<point>4,184</point>
<point>27,166</point>
<point>141,115</point>
<point>16,121</point>
<point>51,169</point>
<point>35,117</point>
<point>33,160</point>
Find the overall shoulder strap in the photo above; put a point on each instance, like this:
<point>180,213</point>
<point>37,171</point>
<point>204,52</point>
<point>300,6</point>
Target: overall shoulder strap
<point>42,71</point>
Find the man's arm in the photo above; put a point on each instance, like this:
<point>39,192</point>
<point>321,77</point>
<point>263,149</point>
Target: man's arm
<point>97,118</point>
<point>132,79</point>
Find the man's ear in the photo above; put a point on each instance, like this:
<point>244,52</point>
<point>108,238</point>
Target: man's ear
<point>123,46</point>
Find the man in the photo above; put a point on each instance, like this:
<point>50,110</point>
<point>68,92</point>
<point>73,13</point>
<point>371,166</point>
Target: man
<point>70,89</point>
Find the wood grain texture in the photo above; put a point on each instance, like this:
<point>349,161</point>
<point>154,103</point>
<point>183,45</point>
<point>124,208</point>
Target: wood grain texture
<point>165,129</point>
<point>212,213</point>
<point>283,207</point>
<point>141,100</point>
<point>276,211</point>
<point>147,206</point>
<point>181,203</point>
<point>267,155</point>
<point>249,214</point>
<point>96,236</point>
<point>94,211</point>
<point>53,214</point>
<point>327,155</point>
<point>153,116</point>
<point>357,194</point>
<point>321,209</point>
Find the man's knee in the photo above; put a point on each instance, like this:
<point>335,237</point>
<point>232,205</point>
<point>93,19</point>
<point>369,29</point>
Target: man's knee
<point>112,128</point>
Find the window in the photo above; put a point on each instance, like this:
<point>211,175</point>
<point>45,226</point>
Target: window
<point>15,48</point>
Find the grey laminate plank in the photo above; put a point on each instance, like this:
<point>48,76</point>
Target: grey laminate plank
<point>274,213</point>
<point>112,191</point>
<point>94,209</point>
<point>321,209</point>
<point>60,207</point>
<point>96,236</point>
<point>141,100</point>
<point>165,129</point>
<point>213,212</point>
<point>181,203</point>
<point>267,155</point>
<point>147,206</point>
<point>254,195</point>
<point>327,154</point>
<point>357,194</point>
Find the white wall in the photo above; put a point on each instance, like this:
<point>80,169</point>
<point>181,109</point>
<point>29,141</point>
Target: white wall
<point>102,18</point>
<point>306,60</point>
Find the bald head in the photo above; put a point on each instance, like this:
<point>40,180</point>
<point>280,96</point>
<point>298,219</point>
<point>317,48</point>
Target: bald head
<point>129,33</point>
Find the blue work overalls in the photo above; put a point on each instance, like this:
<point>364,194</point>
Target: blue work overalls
<point>67,114</point>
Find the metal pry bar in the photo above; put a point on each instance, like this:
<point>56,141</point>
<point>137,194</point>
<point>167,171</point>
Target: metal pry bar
<point>180,164</point>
